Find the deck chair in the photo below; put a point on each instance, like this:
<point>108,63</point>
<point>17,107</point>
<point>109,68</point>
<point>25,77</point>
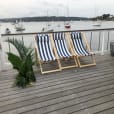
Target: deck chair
<point>77,43</point>
<point>63,51</point>
<point>45,53</point>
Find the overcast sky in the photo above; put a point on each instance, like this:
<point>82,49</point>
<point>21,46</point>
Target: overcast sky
<point>84,8</point>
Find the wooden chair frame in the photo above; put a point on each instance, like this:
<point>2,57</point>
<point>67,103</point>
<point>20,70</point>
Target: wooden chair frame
<point>40,62</point>
<point>78,56</point>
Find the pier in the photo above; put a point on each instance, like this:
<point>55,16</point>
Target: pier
<point>87,90</point>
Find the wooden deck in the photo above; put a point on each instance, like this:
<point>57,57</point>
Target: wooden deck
<point>72,91</point>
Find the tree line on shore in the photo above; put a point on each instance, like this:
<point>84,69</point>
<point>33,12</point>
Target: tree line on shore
<point>59,18</point>
<point>44,18</point>
<point>107,17</point>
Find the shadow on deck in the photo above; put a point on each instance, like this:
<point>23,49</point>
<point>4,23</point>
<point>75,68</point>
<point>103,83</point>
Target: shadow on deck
<point>73,91</point>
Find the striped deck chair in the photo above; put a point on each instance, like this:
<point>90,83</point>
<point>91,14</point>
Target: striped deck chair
<point>62,49</point>
<point>79,49</point>
<point>45,53</point>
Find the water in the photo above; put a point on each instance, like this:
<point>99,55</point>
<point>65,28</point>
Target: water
<point>30,27</point>
<point>37,26</point>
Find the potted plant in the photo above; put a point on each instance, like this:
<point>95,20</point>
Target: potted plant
<point>22,62</point>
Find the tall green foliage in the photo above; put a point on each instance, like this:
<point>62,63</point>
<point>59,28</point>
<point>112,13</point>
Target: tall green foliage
<point>22,63</point>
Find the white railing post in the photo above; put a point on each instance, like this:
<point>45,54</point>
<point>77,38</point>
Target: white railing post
<point>102,48</point>
<point>1,55</point>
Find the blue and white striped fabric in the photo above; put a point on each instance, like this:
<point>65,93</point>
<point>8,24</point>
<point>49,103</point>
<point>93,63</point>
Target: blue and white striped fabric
<point>44,47</point>
<point>60,44</point>
<point>78,44</point>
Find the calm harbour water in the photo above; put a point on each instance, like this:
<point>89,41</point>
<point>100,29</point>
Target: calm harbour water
<point>57,26</point>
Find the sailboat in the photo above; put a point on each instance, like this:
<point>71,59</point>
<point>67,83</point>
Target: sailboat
<point>48,27</point>
<point>97,22</point>
<point>67,24</point>
<point>47,30</point>
<point>19,26</point>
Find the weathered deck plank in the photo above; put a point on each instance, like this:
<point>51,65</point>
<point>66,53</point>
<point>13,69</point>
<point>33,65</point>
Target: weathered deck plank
<point>77,91</point>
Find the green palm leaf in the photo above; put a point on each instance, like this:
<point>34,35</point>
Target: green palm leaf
<point>15,60</point>
<point>19,45</point>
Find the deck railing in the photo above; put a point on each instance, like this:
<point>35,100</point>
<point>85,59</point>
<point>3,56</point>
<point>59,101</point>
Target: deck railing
<point>99,41</point>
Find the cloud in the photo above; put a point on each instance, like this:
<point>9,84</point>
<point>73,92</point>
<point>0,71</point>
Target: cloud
<point>20,8</point>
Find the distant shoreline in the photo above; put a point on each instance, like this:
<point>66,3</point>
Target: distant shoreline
<point>43,19</point>
<point>52,18</point>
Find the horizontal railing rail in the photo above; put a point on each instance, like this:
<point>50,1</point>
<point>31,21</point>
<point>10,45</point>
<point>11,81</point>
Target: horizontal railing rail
<point>81,30</point>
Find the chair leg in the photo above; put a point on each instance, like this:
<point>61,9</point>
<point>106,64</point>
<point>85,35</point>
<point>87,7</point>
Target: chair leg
<point>49,71</point>
<point>70,66</point>
<point>41,69</point>
<point>76,62</point>
<point>91,64</point>
<point>93,58</point>
<point>59,64</point>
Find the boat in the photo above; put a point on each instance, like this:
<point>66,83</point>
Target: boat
<point>51,30</point>
<point>19,27</point>
<point>67,25</point>
<point>13,23</point>
<point>97,23</point>
<point>47,30</point>
<point>7,31</point>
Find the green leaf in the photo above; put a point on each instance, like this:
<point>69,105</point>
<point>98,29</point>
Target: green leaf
<point>19,45</point>
<point>15,60</point>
